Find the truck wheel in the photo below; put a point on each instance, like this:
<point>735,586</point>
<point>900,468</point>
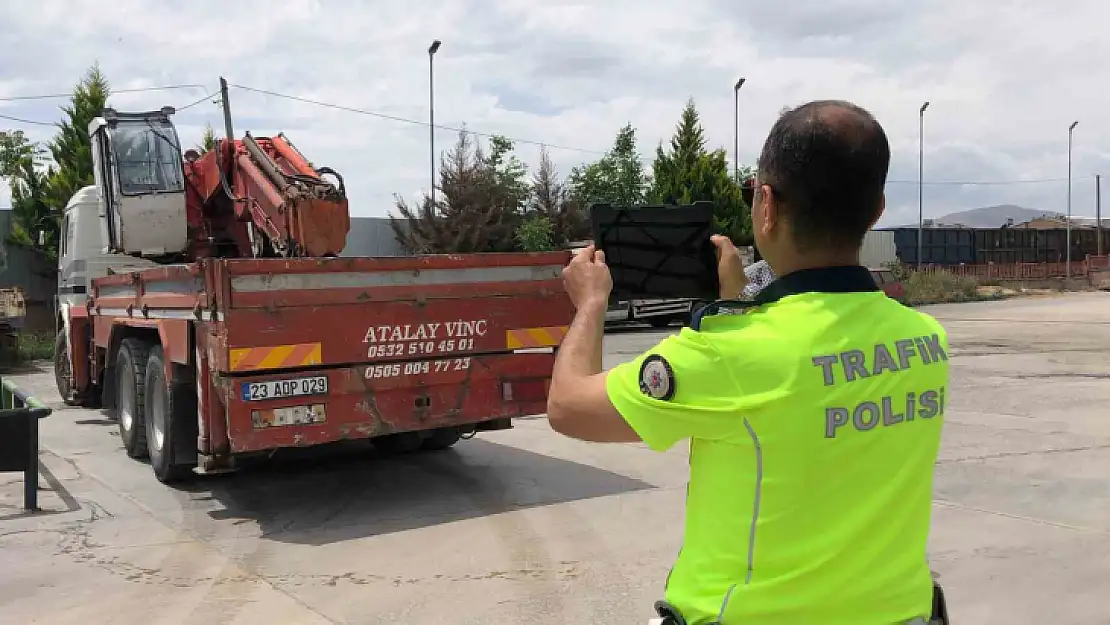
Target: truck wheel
<point>441,439</point>
<point>167,419</point>
<point>400,443</point>
<point>62,370</point>
<point>131,396</point>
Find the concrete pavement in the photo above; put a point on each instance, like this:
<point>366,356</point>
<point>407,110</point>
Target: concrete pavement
<point>524,526</point>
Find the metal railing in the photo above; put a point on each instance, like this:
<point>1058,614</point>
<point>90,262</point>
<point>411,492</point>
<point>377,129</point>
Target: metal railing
<point>1023,271</point>
<point>19,438</point>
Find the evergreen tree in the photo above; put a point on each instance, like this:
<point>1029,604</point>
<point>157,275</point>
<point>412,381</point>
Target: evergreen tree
<point>617,178</point>
<point>22,165</point>
<point>207,140</point>
<point>71,148</point>
<point>511,174</point>
<point>552,202</point>
<point>476,210</point>
<point>687,172</point>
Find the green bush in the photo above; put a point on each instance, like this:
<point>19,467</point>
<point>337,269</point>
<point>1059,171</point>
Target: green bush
<point>26,347</point>
<point>900,271</point>
<point>36,346</point>
<point>924,287</point>
<point>535,234</point>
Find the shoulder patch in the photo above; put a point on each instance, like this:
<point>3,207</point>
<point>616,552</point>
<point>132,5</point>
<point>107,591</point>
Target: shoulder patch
<point>657,378</point>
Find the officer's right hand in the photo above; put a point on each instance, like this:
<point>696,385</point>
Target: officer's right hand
<point>730,267</point>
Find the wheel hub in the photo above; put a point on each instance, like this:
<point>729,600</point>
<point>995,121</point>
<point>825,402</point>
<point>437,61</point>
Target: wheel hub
<point>157,416</point>
<point>126,400</point>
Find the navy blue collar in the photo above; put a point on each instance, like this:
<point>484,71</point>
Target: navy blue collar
<point>846,279</point>
<point>842,279</point>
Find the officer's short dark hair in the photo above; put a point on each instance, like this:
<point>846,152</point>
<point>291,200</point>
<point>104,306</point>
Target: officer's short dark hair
<point>826,163</point>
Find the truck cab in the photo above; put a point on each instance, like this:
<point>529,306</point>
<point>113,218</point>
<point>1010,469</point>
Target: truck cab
<point>139,170</point>
<point>82,258</point>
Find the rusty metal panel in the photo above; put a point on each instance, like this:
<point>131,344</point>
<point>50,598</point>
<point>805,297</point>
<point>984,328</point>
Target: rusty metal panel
<point>371,400</point>
<point>286,266</point>
<point>406,343</point>
<point>408,278</point>
<point>388,331</point>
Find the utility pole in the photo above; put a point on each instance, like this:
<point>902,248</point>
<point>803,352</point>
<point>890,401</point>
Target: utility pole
<point>920,179</point>
<point>736,129</point>
<point>226,104</point>
<point>1098,214</point>
<point>432,49</point>
<point>1067,270</point>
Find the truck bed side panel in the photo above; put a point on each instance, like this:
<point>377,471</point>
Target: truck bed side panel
<point>404,344</point>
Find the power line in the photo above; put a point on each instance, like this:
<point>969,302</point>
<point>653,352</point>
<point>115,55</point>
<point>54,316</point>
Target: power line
<point>38,123</point>
<point>26,121</point>
<point>192,104</point>
<point>978,182</point>
<point>113,92</point>
<point>405,120</point>
<point>415,122</point>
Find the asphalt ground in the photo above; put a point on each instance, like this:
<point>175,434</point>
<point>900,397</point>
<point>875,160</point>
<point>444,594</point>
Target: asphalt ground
<point>524,526</point>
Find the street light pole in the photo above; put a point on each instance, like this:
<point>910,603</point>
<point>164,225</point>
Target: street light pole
<point>920,178</point>
<point>1067,270</point>
<point>1098,214</point>
<point>432,49</point>
<point>736,129</point>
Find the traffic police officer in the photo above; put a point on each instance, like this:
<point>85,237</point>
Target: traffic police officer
<point>814,420</point>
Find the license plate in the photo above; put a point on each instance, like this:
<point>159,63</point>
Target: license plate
<point>280,389</point>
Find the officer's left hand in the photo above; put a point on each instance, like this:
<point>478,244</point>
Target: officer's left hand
<point>587,279</point>
<point>730,267</point>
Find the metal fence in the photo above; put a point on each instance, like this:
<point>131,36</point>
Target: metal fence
<point>1098,262</point>
<point>1024,271</point>
<point>19,438</point>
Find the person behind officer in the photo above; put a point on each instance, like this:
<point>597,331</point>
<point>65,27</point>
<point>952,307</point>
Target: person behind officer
<point>814,419</point>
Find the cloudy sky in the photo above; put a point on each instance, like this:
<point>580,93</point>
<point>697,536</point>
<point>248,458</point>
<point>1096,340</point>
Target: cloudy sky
<point>1004,78</point>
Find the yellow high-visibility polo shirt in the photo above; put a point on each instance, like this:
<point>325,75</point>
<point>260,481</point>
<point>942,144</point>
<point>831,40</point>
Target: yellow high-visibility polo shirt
<point>815,422</point>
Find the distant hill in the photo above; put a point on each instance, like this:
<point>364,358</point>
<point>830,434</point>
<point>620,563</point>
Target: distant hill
<point>989,216</point>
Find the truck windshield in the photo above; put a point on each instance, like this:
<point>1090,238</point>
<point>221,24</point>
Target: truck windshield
<point>148,158</point>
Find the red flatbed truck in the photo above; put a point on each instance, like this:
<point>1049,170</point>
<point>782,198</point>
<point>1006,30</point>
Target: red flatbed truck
<point>219,358</point>
<point>203,302</point>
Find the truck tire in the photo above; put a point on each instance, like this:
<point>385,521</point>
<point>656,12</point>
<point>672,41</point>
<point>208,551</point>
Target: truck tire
<point>62,368</point>
<point>400,443</point>
<point>170,412</point>
<point>441,439</point>
<point>131,395</point>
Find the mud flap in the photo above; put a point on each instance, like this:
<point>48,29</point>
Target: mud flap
<point>185,430</point>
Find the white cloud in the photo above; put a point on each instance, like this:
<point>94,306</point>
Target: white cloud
<point>1005,79</point>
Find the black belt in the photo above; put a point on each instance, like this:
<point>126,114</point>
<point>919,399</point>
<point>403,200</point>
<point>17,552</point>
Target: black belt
<point>671,615</point>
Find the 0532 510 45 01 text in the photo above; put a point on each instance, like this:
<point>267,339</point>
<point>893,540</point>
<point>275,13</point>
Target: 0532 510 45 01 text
<point>419,339</point>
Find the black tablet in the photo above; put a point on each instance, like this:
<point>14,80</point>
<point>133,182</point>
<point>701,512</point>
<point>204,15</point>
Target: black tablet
<point>658,252</point>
